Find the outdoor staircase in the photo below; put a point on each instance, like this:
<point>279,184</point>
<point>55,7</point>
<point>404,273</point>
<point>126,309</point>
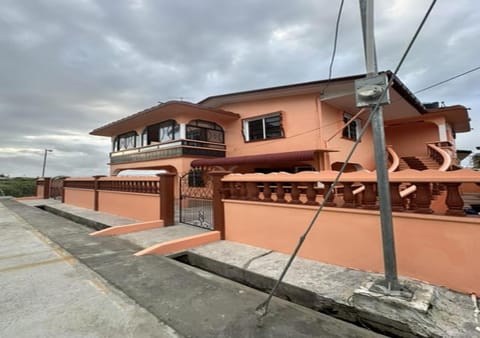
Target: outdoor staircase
<point>418,163</point>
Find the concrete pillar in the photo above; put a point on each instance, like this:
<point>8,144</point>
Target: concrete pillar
<point>167,198</point>
<point>217,204</point>
<point>95,189</point>
<point>46,187</point>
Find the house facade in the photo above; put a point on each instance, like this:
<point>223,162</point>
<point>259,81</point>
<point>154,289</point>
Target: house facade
<point>306,126</point>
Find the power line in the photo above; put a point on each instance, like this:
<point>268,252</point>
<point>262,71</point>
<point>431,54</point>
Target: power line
<point>334,51</point>
<point>447,80</point>
<point>337,24</point>
<point>262,309</point>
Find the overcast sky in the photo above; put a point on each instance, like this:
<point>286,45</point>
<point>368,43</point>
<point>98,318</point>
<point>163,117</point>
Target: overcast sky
<point>67,67</point>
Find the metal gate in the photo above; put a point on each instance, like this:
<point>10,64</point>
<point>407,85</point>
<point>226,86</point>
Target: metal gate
<point>196,194</point>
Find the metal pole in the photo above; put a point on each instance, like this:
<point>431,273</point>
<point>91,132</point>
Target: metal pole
<point>45,161</point>
<point>391,280</point>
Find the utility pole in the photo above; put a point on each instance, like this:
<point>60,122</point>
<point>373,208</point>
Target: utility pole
<point>45,160</point>
<point>370,90</point>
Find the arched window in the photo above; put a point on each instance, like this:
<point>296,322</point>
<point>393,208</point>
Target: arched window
<point>205,131</point>
<point>161,132</point>
<point>125,141</point>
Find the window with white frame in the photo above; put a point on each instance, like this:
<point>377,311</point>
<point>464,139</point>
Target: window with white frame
<point>263,128</point>
<point>352,130</point>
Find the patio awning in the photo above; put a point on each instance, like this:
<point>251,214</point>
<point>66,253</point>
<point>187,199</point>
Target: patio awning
<point>292,156</point>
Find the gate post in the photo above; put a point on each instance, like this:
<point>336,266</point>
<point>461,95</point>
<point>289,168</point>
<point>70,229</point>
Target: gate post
<point>217,204</point>
<point>46,187</point>
<point>167,198</point>
<point>63,189</point>
<point>95,191</point>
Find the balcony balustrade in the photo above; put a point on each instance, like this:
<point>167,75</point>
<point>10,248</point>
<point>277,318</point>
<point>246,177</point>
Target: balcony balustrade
<point>176,148</point>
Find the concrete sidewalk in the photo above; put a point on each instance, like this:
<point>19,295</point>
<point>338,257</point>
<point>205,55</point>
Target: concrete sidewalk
<point>193,302</point>
<point>46,292</point>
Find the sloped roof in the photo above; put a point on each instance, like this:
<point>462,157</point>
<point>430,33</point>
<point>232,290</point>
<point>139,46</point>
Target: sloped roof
<point>169,108</point>
<point>307,87</point>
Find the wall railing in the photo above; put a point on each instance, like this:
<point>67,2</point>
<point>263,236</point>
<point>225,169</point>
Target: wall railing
<point>411,190</point>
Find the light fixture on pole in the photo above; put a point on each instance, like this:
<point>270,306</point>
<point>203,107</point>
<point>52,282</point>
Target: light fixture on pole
<point>45,160</point>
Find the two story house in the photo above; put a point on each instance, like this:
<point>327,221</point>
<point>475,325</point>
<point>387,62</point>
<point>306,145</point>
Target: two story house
<point>304,126</point>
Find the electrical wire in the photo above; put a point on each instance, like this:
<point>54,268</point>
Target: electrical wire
<point>262,309</point>
<point>334,51</point>
<point>448,80</point>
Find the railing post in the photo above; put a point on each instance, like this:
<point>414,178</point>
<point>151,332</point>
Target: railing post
<point>217,204</point>
<point>46,187</point>
<point>454,200</point>
<point>396,199</point>
<point>167,198</point>
<point>280,192</point>
<point>95,191</point>
<point>330,202</point>
<point>295,194</point>
<point>423,198</point>
<point>348,197</point>
<point>369,196</point>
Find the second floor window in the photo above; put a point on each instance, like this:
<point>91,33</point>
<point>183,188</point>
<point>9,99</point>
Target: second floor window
<point>161,132</point>
<point>125,141</point>
<point>205,131</point>
<point>263,127</point>
<point>353,129</point>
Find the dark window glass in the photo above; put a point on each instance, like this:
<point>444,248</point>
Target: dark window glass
<point>205,131</point>
<point>163,132</point>
<point>350,131</point>
<point>195,178</point>
<point>255,130</point>
<point>265,128</point>
<point>273,127</point>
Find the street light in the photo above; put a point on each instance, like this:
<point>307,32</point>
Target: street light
<point>45,160</point>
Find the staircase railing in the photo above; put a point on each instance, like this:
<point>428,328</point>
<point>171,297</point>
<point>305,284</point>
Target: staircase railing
<point>393,158</point>
<point>441,156</point>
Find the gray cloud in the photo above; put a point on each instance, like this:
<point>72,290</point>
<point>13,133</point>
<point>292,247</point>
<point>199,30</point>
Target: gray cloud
<point>70,66</point>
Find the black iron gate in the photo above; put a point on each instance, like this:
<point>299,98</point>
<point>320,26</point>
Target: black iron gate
<point>196,193</point>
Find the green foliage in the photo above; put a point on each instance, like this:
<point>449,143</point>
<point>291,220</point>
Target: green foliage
<point>17,186</point>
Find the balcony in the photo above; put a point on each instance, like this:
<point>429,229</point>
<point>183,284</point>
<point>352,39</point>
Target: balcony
<point>177,148</point>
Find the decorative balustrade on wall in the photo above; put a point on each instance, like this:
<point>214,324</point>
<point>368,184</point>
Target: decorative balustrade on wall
<point>355,189</point>
<point>143,198</point>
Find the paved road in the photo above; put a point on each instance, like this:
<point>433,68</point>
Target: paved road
<point>193,302</point>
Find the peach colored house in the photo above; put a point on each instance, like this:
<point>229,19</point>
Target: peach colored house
<point>288,128</point>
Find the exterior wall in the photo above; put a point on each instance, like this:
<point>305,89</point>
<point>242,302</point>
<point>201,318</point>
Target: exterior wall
<point>332,122</point>
<point>410,139</point>
<point>83,198</point>
<point>300,121</point>
<point>143,207</point>
<point>427,245</point>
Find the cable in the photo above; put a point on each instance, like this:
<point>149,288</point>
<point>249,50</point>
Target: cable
<point>265,305</point>
<point>334,51</point>
<point>447,80</point>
